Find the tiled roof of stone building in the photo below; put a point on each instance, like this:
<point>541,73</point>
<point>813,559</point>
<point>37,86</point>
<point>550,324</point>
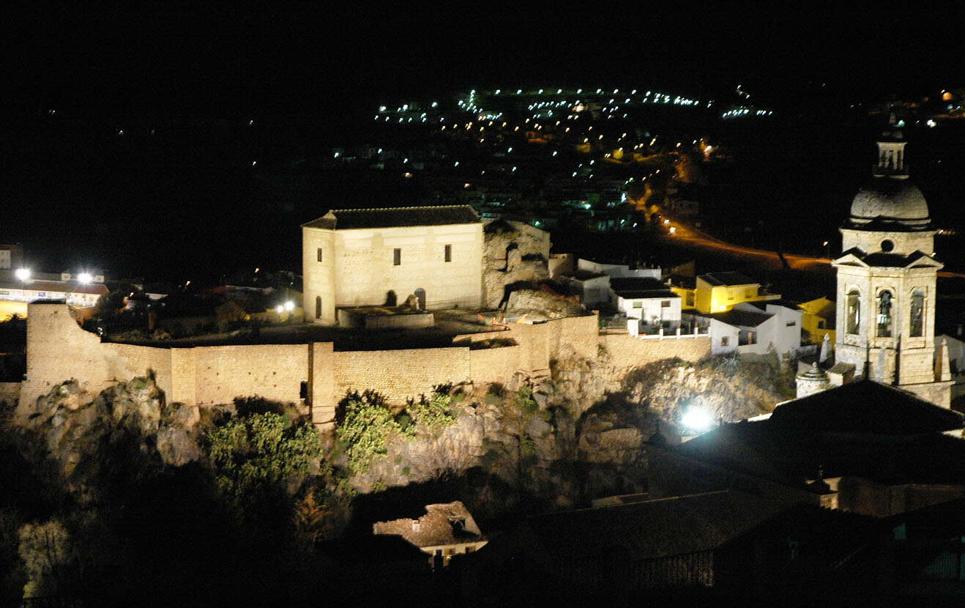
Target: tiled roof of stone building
<point>390,217</point>
<point>443,524</point>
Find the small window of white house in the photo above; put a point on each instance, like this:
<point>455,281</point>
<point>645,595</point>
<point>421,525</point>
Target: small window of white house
<point>665,304</point>
<point>791,323</point>
<point>725,341</point>
<point>448,253</point>
<point>396,257</point>
<point>638,304</point>
<point>318,254</point>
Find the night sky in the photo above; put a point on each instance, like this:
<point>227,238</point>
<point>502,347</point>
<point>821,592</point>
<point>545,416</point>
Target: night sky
<point>190,57</point>
<point>311,74</point>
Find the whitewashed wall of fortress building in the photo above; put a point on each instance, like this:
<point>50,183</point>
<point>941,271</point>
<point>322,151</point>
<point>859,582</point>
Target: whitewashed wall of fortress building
<point>357,267</point>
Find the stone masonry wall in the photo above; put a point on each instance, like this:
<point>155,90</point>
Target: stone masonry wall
<point>627,352</point>
<point>488,365</point>
<point>58,349</point>
<point>400,374</point>
<point>272,371</point>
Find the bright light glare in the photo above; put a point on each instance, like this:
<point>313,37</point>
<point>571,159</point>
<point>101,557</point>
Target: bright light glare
<point>289,306</point>
<point>85,278</point>
<point>22,274</point>
<point>697,419</point>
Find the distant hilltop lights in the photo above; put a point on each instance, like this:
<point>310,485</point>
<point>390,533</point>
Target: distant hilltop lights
<point>560,103</point>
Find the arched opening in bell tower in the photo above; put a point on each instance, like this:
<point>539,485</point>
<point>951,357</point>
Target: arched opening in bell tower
<point>884,314</point>
<point>853,312</point>
<point>917,314</point>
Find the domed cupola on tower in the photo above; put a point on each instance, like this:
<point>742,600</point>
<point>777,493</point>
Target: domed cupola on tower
<point>887,278</point>
<point>889,214</point>
<point>890,201</point>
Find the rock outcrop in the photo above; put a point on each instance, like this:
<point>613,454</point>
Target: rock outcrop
<point>73,424</point>
<point>542,304</point>
<point>514,253</point>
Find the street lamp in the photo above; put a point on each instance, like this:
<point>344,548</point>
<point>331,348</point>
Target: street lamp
<point>22,274</point>
<point>85,278</point>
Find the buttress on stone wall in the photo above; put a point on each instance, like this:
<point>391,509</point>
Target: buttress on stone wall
<point>59,349</point>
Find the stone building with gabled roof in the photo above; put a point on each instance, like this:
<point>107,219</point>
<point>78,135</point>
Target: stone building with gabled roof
<point>371,257</point>
<point>447,529</point>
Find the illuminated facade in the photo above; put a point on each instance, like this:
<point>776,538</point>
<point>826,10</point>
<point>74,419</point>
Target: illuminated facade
<point>374,257</point>
<point>887,274</point>
<point>721,291</point>
<point>817,320</point>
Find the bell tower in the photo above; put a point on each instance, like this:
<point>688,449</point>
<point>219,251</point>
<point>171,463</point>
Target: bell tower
<point>886,281</point>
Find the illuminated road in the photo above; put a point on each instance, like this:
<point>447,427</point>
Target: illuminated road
<point>691,236</point>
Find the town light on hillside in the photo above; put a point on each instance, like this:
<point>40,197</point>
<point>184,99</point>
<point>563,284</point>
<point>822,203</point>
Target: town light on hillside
<point>289,306</point>
<point>22,274</point>
<point>85,278</point>
<point>697,419</point>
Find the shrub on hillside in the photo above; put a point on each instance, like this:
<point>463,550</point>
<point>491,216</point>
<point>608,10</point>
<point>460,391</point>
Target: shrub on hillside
<point>260,453</point>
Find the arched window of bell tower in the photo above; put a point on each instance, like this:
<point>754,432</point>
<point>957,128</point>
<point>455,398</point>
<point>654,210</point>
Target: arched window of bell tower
<point>853,312</point>
<point>884,318</point>
<point>917,314</point>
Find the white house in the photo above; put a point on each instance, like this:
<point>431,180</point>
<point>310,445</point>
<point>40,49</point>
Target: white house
<point>369,257</point>
<point>592,280</point>
<point>648,300</point>
<point>617,270</point>
<point>755,329</point>
<point>593,287</point>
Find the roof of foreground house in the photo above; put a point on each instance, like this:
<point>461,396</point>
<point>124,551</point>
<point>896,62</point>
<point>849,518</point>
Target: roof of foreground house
<point>864,429</point>
<point>865,407</point>
<point>656,528</point>
<point>395,217</point>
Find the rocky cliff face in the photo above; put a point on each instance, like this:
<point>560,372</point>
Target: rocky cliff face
<point>575,435</point>
<point>514,253</point>
<point>74,424</point>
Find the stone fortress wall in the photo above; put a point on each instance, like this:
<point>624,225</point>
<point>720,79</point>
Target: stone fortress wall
<point>59,349</point>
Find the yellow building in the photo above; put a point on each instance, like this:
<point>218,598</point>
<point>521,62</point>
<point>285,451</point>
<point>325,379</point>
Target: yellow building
<point>817,320</point>
<point>721,291</point>
<point>688,296</point>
